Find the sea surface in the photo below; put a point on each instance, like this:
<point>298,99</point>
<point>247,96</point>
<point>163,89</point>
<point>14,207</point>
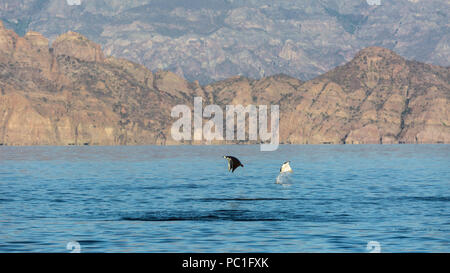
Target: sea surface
<point>340,198</point>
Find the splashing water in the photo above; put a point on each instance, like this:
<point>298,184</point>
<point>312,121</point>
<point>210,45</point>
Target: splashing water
<point>284,178</point>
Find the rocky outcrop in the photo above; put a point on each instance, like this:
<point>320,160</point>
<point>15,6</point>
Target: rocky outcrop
<point>76,45</point>
<point>7,39</point>
<point>67,93</point>
<point>378,97</point>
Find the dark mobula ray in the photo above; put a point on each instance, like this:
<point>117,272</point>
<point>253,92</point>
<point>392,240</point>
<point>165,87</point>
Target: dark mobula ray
<point>233,163</point>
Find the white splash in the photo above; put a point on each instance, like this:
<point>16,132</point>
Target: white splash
<point>284,178</point>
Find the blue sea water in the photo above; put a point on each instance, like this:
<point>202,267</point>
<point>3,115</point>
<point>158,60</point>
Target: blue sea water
<point>183,199</point>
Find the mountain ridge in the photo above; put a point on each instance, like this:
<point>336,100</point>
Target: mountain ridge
<point>69,93</point>
<point>217,39</point>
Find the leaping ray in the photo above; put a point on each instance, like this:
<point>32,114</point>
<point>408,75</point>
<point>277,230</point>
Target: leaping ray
<point>233,163</point>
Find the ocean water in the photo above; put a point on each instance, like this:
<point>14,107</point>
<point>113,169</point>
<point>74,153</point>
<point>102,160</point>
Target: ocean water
<point>183,199</point>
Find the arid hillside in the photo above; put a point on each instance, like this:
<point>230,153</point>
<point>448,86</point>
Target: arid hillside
<point>69,93</point>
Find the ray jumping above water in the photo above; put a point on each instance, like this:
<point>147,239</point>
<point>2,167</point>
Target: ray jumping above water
<point>233,163</point>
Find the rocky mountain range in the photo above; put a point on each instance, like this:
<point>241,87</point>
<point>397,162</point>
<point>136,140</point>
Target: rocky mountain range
<point>210,40</point>
<point>67,92</point>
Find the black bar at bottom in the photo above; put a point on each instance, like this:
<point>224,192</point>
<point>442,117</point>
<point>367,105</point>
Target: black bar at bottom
<point>220,262</point>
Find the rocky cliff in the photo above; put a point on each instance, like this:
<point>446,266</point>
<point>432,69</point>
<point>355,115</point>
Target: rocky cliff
<point>378,97</point>
<point>69,93</point>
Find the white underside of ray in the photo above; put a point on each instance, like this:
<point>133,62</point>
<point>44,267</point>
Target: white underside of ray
<point>229,163</point>
<point>285,168</point>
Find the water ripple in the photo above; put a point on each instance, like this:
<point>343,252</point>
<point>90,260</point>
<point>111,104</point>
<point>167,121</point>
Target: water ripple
<point>218,215</point>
